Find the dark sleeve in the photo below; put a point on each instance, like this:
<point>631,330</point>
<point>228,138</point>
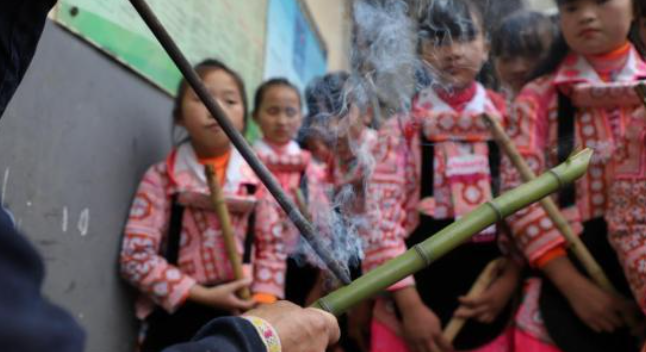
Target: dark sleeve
<point>230,334</point>
<point>21,24</point>
<point>28,322</point>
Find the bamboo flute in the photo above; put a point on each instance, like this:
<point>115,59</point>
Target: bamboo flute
<point>306,229</point>
<point>574,242</point>
<point>483,281</point>
<point>222,212</point>
<point>426,252</point>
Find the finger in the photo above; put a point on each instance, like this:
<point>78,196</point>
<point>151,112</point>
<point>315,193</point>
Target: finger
<point>238,284</point>
<point>425,346</point>
<point>443,343</point>
<point>330,323</point>
<point>486,318</point>
<point>469,301</point>
<point>242,304</point>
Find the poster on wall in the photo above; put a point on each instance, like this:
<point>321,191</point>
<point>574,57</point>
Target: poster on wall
<point>294,49</point>
<point>230,30</point>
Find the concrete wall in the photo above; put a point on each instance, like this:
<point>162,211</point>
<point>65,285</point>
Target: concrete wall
<point>74,143</point>
<point>333,20</point>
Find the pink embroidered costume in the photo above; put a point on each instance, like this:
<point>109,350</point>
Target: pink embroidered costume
<point>586,102</point>
<point>202,257</point>
<point>626,214</point>
<point>294,169</point>
<point>432,167</point>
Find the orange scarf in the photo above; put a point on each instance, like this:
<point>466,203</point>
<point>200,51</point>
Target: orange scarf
<point>219,163</point>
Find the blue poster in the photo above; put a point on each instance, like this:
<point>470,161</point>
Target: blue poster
<point>293,51</point>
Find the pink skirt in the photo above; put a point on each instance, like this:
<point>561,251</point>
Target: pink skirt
<point>385,340</point>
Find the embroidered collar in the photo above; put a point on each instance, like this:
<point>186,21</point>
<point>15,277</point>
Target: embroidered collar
<point>458,99</point>
<point>428,99</point>
<point>289,157</point>
<point>187,174</point>
<point>577,69</point>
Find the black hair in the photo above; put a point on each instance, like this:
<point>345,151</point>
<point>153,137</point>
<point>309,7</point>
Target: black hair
<point>274,82</point>
<point>202,69</point>
<point>326,99</point>
<point>560,49</point>
<point>523,33</point>
<point>445,20</point>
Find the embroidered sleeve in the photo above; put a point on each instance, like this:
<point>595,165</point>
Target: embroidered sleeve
<point>140,262</point>
<point>270,260</point>
<point>388,197</point>
<point>533,232</point>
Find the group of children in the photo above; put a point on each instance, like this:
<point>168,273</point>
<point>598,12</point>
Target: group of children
<point>563,84</point>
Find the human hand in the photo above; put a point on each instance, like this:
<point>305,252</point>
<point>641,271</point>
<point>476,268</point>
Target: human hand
<point>300,329</point>
<point>222,296</point>
<point>600,310</point>
<point>359,319</point>
<point>486,306</point>
<point>422,328</point>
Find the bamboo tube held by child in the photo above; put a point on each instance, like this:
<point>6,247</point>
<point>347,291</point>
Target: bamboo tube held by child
<point>433,248</point>
<point>574,242</point>
<point>484,280</point>
<point>222,212</point>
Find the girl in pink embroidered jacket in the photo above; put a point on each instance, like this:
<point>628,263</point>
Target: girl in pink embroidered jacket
<point>432,167</point>
<point>197,272</point>
<point>277,110</point>
<point>583,97</point>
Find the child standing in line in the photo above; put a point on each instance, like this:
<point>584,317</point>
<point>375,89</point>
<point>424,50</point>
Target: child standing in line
<point>520,42</point>
<point>583,97</point>
<point>336,128</point>
<point>173,251</point>
<point>277,111</point>
<point>433,167</point>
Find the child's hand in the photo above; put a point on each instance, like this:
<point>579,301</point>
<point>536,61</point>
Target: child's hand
<point>359,319</point>
<point>598,309</point>
<point>222,296</point>
<point>486,307</point>
<point>422,328</point>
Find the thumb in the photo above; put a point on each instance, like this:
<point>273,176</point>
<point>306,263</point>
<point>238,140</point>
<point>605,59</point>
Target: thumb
<point>470,301</point>
<point>238,284</point>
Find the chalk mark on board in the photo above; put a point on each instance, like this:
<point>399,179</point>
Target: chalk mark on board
<point>84,222</point>
<point>5,180</point>
<point>65,219</point>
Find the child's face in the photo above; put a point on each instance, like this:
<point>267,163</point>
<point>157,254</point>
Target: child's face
<point>279,116</point>
<point>514,71</point>
<point>347,130</point>
<point>207,137</point>
<point>456,62</point>
<point>593,27</point>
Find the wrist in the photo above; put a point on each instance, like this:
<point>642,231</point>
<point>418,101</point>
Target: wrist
<point>407,300</point>
<point>196,293</point>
